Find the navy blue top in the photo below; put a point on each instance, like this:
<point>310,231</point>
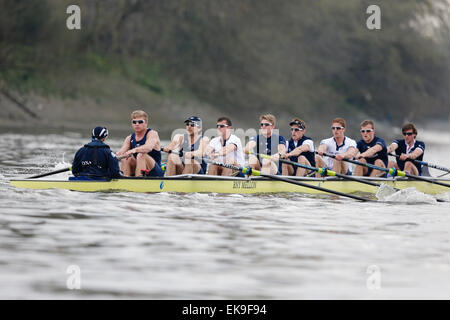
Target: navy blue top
<point>186,147</point>
<point>402,149</point>
<point>95,159</point>
<point>268,146</point>
<point>362,146</point>
<point>308,155</point>
<point>155,154</point>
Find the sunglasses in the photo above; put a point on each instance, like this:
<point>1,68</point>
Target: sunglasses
<point>191,124</point>
<point>222,125</point>
<point>408,133</point>
<point>265,124</point>
<point>138,121</point>
<point>366,130</point>
<point>296,129</point>
<point>337,128</point>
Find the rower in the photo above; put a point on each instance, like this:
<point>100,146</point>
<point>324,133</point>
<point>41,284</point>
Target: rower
<point>408,149</point>
<point>300,148</point>
<point>141,149</point>
<point>339,145</point>
<point>372,150</point>
<point>225,148</point>
<point>191,144</point>
<point>267,142</point>
<point>95,161</point>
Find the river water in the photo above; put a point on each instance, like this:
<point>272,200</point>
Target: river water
<point>59,244</point>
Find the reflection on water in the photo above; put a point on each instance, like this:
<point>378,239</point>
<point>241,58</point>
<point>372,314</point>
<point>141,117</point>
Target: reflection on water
<point>208,246</point>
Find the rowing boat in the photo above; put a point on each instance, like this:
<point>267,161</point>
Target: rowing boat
<point>217,184</point>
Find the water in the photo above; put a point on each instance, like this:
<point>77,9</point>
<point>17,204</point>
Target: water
<point>209,246</point>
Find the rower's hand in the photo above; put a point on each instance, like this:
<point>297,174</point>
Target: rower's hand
<point>359,156</point>
<point>165,149</point>
<point>189,155</point>
<point>339,157</point>
<point>222,152</point>
<point>404,156</point>
<point>287,155</point>
<point>320,152</point>
<point>129,153</point>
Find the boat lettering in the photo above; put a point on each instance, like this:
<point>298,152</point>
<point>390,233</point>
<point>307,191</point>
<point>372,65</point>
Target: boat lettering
<point>244,184</point>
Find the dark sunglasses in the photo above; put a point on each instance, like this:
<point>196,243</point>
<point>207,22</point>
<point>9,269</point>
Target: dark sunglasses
<point>222,125</point>
<point>337,128</point>
<point>265,124</point>
<point>366,130</point>
<point>192,124</point>
<point>296,129</point>
<point>138,121</point>
<point>408,133</point>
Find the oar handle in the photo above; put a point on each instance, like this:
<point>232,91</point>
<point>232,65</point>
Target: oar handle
<point>423,163</point>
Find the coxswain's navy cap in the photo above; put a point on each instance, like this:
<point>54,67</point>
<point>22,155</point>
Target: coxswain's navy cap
<point>195,120</point>
<point>99,133</point>
<point>298,123</point>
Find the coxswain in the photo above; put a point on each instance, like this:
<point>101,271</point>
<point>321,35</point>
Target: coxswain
<point>95,161</point>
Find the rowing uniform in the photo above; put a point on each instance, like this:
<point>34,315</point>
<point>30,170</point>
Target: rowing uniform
<point>333,148</point>
<point>268,146</point>
<point>382,155</point>
<point>186,147</point>
<point>309,155</point>
<point>404,148</point>
<point>238,155</point>
<point>155,154</point>
<point>95,161</point>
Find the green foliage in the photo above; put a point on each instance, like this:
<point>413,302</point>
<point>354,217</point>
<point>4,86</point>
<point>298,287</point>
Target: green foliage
<point>300,57</point>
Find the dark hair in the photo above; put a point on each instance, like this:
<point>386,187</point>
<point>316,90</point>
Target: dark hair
<point>409,126</point>
<point>225,119</point>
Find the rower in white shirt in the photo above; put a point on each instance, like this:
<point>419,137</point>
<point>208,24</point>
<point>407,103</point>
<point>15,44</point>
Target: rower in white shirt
<point>339,145</point>
<point>225,148</point>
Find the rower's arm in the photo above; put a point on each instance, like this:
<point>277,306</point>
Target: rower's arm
<point>299,150</point>
<point>249,147</point>
<point>371,151</point>
<point>229,148</point>
<point>175,143</point>
<point>200,152</point>
<point>151,143</point>
<point>415,154</point>
<point>125,146</point>
<point>322,148</point>
<point>351,153</point>
<point>392,147</point>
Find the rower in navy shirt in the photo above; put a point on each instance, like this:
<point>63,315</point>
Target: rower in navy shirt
<point>184,148</point>
<point>300,148</point>
<point>372,150</point>
<point>408,149</point>
<point>95,161</point>
<point>142,149</point>
<point>269,143</point>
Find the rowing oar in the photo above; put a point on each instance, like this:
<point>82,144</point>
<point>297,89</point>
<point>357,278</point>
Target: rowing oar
<point>423,163</point>
<point>322,171</point>
<point>392,171</point>
<point>60,170</point>
<point>250,171</point>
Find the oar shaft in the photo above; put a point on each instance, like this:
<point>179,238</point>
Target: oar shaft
<point>50,173</point>
<point>423,163</point>
<point>390,170</point>
<point>247,170</point>
<point>320,170</point>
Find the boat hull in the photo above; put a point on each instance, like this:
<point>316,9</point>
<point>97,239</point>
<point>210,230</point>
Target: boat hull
<point>205,184</point>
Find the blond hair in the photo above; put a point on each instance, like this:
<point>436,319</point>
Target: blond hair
<point>269,117</point>
<point>139,114</point>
